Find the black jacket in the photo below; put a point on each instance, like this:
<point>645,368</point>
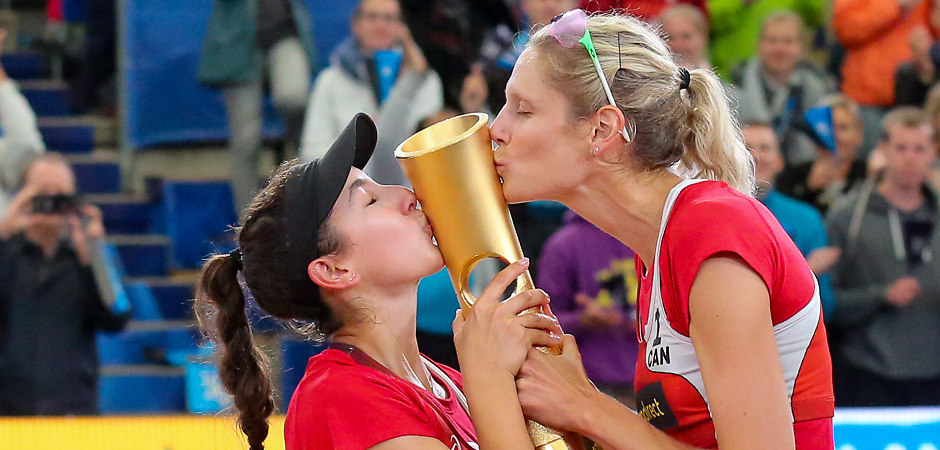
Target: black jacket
<point>50,309</point>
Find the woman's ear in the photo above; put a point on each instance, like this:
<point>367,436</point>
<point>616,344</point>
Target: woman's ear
<point>325,272</point>
<point>608,124</point>
<point>607,137</point>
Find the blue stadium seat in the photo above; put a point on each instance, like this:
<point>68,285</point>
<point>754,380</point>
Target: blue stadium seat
<point>123,214</point>
<point>143,255</point>
<point>25,65</point>
<point>174,299</point>
<point>295,354</point>
<point>68,138</point>
<point>197,216</point>
<point>97,177</point>
<point>330,25</point>
<point>47,98</point>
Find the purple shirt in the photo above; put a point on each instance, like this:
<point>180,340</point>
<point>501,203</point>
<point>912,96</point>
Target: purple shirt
<point>580,258</point>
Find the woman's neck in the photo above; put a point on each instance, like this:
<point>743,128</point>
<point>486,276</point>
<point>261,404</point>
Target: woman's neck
<point>386,332</point>
<point>627,206</point>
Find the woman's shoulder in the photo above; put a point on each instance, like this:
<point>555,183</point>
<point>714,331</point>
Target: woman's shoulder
<point>715,204</point>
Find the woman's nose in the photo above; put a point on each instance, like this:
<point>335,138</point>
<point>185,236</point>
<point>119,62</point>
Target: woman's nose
<point>498,132</point>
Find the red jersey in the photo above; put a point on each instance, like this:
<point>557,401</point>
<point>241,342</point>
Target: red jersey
<point>702,219</point>
<point>343,404</point>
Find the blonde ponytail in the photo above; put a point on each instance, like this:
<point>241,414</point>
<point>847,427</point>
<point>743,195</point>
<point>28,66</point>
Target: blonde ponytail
<point>690,131</point>
<point>714,148</point>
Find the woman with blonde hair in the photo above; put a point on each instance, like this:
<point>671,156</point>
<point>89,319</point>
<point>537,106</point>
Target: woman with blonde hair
<point>732,345</point>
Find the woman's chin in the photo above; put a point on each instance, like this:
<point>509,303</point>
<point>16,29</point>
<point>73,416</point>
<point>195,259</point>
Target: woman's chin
<point>514,196</point>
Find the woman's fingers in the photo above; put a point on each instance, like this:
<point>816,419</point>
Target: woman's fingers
<point>542,338</point>
<point>539,321</point>
<point>525,300</point>
<point>501,281</point>
<point>459,320</point>
<point>569,348</point>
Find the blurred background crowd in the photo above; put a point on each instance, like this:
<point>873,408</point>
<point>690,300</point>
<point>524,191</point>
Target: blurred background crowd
<point>101,233</point>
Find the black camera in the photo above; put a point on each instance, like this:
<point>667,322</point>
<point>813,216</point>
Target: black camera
<point>55,204</point>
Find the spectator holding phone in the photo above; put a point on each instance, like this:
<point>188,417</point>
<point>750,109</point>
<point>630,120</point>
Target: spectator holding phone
<point>381,71</point>
<point>20,140</point>
<point>886,283</point>
<point>836,171</point>
<point>50,306</point>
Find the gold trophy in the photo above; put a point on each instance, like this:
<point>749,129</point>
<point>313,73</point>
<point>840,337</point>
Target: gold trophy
<point>450,165</point>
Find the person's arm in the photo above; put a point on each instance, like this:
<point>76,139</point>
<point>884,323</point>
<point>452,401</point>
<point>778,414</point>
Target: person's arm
<point>21,138</point>
<point>414,96</point>
<point>854,302</point>
<point>729,305</point>
<point>492,341</point>
<point>411,443</point>
<point>746,390</point>
<point>858,22</point>
<point>319,129</point>
<point>555,391</point>
<point>85,233</point>
<point>909,88</point>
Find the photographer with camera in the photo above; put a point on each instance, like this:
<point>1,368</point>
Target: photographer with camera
<point>50,306</point>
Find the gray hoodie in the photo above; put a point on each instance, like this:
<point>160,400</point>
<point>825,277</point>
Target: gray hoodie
<point>899,343</point>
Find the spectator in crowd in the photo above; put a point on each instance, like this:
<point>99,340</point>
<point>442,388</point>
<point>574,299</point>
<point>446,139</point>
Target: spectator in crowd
<point>876,37</point>
<point>484,88</point>
<point>887,288</point>
<point>734,23</point>
<point>832,174</point>
<point>351,84</point>
<point>450,33</point>
<point>243,37</point>
<point>50,306</point>
<point>799,219</point>
<point>778,86</point>
<point>94,88</point>
<point>647,10</point>
<point>932,108</point>
<point>915,77</point>
<point>20,140</point>
<point>591,279</point>
<point>686,30</point>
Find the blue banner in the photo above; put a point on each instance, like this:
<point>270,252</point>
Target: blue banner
<point>887,428</point>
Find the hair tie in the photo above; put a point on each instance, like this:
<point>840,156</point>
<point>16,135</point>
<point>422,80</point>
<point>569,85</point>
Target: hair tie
<point>684,78</point>
<point>236,256</point>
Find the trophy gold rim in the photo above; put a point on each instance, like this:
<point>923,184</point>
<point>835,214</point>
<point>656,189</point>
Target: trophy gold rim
<point>481,121</point>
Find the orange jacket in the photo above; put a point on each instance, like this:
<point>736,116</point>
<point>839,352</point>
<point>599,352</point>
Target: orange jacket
<point>875,35</point>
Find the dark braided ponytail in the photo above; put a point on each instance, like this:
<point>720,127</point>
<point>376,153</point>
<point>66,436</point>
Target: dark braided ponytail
<point>220,303</point>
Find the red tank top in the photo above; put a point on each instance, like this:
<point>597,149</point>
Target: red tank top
<point>702,219</point>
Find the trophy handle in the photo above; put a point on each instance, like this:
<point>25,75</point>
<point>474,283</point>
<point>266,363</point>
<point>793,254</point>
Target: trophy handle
<point>467,300</point>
